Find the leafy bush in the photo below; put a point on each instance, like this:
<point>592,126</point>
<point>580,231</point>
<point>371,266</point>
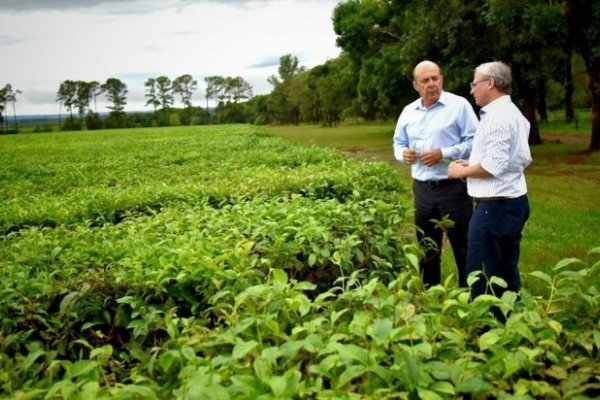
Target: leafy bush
<point>222,263</point>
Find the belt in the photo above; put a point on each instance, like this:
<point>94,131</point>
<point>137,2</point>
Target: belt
<point>496,199</point>
<point>438,183</point>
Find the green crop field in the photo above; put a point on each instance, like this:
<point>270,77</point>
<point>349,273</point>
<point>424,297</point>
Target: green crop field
<point>222,262</point>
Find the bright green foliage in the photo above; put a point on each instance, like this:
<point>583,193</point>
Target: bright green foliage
<point>222,263</point>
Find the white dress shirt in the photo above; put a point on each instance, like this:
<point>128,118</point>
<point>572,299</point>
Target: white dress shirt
<point>501,147</point>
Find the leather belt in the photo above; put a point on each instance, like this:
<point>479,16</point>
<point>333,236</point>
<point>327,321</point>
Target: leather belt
<point>480,199</point>
<point>438,183</point>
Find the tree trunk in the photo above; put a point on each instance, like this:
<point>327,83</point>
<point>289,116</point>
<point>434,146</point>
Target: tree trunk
<point>529,113</point>
<point>569,88</point>
<point>15,117</point>
<point>542,106</point>
<point>594,84</point>
<point>527,94</point>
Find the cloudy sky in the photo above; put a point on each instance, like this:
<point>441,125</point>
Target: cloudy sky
<point>44,42</point>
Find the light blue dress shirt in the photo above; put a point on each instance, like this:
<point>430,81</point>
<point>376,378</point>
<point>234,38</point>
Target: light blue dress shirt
<point>448,125</point>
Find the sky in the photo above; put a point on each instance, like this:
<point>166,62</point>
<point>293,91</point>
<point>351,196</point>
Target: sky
<point>45,42</point>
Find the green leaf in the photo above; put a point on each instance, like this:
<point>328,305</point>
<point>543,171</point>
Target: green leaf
<point>277,385</point>
<point>31,358</point>
<point>137,392</point>
<point>543,276</point>
<point>443,387</point>
<point>566,262</point>
<point>352,372</point>
<point>279,275</point>
<point>248,385</point>
<point>595,250</point>
<point>425,394</point>
<point>242,348</point>
<point>475,384</point>
<point>411,373</point>
<point>380,330</point>
<point>84,367</point>
<point>488,339</point>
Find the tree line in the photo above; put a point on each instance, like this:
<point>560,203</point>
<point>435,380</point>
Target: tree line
<point>549,44</point>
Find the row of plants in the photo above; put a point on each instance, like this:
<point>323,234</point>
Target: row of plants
<point>221,263</point>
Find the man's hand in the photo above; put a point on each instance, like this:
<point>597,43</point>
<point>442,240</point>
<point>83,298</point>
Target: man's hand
<point>409,155</point>
<point>431,157</point>
<point>455,168</point>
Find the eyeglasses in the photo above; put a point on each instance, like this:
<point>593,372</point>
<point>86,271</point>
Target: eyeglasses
<point>473,84</point>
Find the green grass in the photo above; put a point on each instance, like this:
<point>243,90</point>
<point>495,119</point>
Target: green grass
<point>557,124</point>
<point>563,181</point>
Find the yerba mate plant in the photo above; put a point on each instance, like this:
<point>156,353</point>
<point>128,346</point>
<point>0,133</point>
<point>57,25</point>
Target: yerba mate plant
<point>221,263</point>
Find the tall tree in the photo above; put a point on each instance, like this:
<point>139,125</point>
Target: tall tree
<point>335,84</point>
<point>66,96</point>
<point>151,93</point>
<point>164,93</point>
<point>214,86</point>
<point>582,18</point>
<point>12,98</point>
<point>281,103</point>
<point>116,93</point>
<point>239,89</point>
<point>185,86</point>
<point>3,96</point>
<point>95,90</point>
<point>82,99</point>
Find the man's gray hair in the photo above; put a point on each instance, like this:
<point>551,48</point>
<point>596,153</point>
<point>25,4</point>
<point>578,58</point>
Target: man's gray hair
<point>500,72</point>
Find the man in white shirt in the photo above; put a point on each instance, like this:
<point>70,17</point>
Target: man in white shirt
<point>436,127</point>
<point>496,180</point>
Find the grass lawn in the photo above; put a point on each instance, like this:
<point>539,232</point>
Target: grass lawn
<point>563,181</point>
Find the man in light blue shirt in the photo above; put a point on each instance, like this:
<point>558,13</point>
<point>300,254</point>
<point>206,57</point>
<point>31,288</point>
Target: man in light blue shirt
<point>434,129</point>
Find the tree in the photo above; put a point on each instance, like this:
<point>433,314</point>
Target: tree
<point>116,93</point>
<point>66,95</point>
<point>82,99</point>
<point>335,85</point>
<point>214,87</point>
<point>164,95</point>
<point>150,85</point>
<point>3,96</point>
<point>95,90</point>
<point>185,86</point>
<point>288,68</point>
<point>584,34</point>
<point>386,37</point>
<point>282,106</point>
<point>238,89</point>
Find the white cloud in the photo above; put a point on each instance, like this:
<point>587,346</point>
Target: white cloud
<point>137,39</point>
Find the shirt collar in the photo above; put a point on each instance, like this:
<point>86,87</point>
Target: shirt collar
<point>443,100</point>
<point>500,100</point>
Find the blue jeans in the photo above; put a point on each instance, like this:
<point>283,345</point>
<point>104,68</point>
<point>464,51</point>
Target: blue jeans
<point>494,243</point>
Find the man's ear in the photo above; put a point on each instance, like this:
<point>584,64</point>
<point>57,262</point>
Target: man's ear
<point>415,86</point>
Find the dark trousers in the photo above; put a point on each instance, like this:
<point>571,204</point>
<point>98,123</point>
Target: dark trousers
<point>433,201</point>
<point>494,243</point>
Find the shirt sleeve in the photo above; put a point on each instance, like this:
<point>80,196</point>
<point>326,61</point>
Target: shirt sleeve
<point>497,144</point>
<point>400,140</point>
<point>467,125</point>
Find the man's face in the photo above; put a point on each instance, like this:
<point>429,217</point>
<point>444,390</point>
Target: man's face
<point>480,89</point>
<point>429,82</point>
